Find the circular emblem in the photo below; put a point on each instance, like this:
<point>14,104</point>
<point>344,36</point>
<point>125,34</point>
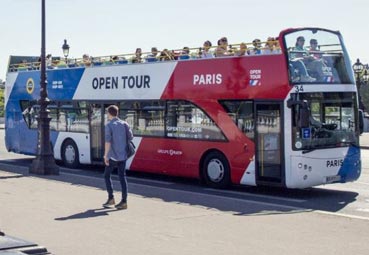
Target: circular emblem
<point>298,145</point>
<point>30,86</point>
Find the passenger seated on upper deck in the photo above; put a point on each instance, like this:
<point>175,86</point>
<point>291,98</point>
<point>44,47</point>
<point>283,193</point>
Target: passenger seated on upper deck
<point>37,64</point>
<point>206,53</point>
<point>296,60</point>
<point>23,65</point>
<point>257,47</point>
<point>49,61</point>
<point>166,55</point>
<point>86,60</point>
<point>152,57</point>
<point>185,53</point>
<point>60,64</point>
<point>270,46</point>
<point>277,46</point>
<point>221,50</point>
<point>138,56</point>
<point>317,63</point>
<point>314,50</point>
<point>243,50</point>
<point>314,65</point>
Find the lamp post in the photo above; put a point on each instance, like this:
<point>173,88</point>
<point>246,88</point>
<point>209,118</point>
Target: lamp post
<point>44,163</point>
<point>358,68</point>
<point>65,48</point>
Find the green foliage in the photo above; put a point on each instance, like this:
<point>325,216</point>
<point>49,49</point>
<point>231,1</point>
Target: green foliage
<point>364,90</point>
<point>1,102</point>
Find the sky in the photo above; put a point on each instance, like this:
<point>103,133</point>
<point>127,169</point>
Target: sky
<point>112,27</point>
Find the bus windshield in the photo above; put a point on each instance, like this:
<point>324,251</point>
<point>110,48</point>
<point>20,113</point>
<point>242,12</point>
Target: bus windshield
<point>317,56</point>
<point>331,121</point>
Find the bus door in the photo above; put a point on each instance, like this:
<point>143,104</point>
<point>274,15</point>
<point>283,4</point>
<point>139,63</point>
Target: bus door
<point>268,143</point>
<point>97,128</point>
<point>14,136</point>
<point>99,119</point>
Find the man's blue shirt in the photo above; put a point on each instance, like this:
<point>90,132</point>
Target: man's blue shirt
<point>115,134</point>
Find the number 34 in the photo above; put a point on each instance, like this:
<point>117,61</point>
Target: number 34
<point>299,89</point>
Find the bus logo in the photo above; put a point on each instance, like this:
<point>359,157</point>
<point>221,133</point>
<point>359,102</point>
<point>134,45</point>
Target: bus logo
<point>255,77</point>
<point>30,86</point>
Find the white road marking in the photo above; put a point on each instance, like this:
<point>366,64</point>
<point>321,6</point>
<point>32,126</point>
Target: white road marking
<point>261,196</point>
<point>342,215</point>
<point>153,181</point>
<point>363,183</point>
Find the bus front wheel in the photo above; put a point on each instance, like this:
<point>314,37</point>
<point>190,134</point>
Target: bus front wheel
<point>215,170</point>
<point>70,155</point>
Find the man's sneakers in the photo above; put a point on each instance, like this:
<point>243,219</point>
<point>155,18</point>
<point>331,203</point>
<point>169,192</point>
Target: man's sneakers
<point>109,203</point>
<point>121,206</point>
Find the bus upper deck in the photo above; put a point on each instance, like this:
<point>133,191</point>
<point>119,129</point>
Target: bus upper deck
<point>323,59</point>
<point>257,47</point>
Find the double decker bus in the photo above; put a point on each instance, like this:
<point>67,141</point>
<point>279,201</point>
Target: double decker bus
<point>252,120</point>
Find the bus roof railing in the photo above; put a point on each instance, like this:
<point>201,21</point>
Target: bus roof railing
<point>128,58</point>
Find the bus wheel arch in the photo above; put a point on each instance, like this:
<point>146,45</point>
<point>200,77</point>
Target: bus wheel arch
<point>215,169</point>
<point>70,153</point>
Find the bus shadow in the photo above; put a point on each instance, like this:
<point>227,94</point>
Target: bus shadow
<point>243,201</point>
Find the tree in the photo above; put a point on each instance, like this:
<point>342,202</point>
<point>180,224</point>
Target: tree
<point>364,92</point>
<point>1,102</point>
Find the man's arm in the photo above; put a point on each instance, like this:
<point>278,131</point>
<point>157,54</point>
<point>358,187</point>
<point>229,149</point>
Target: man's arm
<point>107,148</point>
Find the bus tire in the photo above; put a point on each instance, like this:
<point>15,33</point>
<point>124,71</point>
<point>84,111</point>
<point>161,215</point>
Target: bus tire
<point>216,170</point>
<point>70,154</point>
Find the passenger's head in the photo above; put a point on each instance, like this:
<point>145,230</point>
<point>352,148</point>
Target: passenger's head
<point>300,41</point>
<point>313,43</point>
<point>207,44</point>
<point>154,51</point>
<point>270,42</point>
<point>243,49</point>
<point>224,40</point>
<point>256,43</point>
<point>113,110</point>
<point>243,46</point>
<point>186,50</point>
<point>138,52</point>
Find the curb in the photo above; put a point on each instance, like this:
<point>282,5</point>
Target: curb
<point>7,166</point>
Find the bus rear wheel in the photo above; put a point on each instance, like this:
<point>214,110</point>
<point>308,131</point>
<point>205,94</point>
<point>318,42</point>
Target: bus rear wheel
<point>215,170</point>
<point>70,155</point>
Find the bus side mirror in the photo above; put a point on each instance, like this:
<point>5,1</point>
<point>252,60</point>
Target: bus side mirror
<point>302,111</point>
<point>361,121</point>
<point>304,116</point>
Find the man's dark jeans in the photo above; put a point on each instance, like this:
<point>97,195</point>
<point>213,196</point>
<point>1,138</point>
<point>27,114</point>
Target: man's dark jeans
<point>121,166</point>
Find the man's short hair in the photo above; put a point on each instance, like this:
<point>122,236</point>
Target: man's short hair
<point>113,110</point>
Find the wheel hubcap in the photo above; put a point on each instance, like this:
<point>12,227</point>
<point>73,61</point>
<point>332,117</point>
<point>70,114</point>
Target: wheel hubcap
<point>70,154</point>
<point>215,170</point>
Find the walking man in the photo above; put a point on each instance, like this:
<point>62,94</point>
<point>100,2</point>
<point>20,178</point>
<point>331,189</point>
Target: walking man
<point>117,135</point>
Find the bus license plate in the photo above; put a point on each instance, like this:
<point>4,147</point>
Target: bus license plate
<point>333,178</point>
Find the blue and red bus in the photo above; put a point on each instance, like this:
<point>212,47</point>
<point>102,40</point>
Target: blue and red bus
<point>253,119</point>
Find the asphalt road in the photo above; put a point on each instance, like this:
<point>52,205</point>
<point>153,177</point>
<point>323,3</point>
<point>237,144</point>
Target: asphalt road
<point>331,219</point>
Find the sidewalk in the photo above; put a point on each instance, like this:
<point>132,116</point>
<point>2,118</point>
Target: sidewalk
<point>64,214</point>
<point>364,140</point>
